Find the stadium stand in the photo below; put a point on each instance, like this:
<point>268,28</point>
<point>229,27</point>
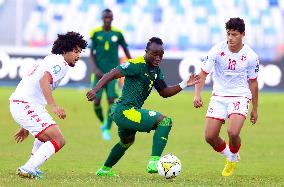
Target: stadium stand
<point>183,24</point>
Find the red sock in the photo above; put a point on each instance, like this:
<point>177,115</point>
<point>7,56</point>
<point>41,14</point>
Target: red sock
<point>234,149</point>
<point>221,147</point>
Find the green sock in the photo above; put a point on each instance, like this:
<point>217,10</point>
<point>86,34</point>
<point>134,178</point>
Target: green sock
<point>99,112</point>
<point>161,136</point>
<point>116,153</point>
<point>109,118</point>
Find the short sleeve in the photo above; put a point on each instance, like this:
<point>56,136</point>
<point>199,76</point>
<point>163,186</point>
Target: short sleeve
<point>253,68</point>
<point>122,41</point>
<point>160,75</point>
<point>129,69</point>
<point>210,60</point>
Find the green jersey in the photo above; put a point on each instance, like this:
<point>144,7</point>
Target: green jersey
<point>106,44</point>
<point>138,82</point>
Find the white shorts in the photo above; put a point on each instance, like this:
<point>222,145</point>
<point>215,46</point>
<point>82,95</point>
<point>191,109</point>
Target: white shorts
<point>30,116</point>
<point>221,107</point>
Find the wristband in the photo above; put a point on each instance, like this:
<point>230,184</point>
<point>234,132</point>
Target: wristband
<point>183,84</point>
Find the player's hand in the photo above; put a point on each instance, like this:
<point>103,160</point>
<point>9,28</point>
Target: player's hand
<point>59,112</point>
<point>21,135</point>
<point>253,116</point>
<point>91,95</point>
<point>193,79</point>
<point>98,74</point>
<point>197,102</point>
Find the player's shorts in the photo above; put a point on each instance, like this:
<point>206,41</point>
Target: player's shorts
<point>30,116</point>
<point>130,119</point>
<point>221,107</point>
<point>111,89</point>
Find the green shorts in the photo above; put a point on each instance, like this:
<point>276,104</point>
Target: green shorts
<point>111,88</point>
<point>130,119</point>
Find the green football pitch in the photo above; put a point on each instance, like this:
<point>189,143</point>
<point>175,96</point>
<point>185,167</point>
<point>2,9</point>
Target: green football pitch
<point>262,153</point>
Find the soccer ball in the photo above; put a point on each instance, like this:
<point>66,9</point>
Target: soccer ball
<point>169,166</point>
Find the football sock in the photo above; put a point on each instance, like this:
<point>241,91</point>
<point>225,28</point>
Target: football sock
<point>99,112</point>
<point>116,153</point>
<point>109,118</point>
<point>160,137</point>
<point>235,152</point>
<point>224,150</point>
<point>43,153</point>
<point>37,144</point>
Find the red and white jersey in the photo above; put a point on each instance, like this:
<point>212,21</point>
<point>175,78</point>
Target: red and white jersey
<point>231,71</point>
<point>29,89</point>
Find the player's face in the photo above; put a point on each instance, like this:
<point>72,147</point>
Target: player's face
<point>107,18</point>
<point>72,57</point>
<point>235,38</point>
<point>154,54</point>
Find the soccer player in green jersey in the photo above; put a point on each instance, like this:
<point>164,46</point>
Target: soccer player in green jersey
<point>141,74</point>
<point>105,41</point>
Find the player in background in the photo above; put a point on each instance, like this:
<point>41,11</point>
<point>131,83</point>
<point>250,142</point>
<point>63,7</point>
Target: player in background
<point>105,42</point>
<point>28,102</point>
<point>141,75</point>
<point>235,69</point>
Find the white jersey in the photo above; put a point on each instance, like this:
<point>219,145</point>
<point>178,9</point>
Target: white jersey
<point>231,71</point>
<point>29,89</point>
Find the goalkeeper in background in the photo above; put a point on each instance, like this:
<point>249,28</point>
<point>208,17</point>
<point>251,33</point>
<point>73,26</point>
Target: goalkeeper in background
<point>141,75</point>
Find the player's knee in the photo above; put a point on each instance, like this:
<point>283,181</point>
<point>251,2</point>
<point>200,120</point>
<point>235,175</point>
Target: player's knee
<point>127,141</point>
<point>209,138</point>
<point>166,121</point>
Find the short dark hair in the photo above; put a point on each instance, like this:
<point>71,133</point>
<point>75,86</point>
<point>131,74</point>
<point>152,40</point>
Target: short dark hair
<point>67,42</point>
<point>106,10</point>
<point>237,24</point>
<point>154,40</point>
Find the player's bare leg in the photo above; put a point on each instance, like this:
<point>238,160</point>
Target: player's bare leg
<point>236,122</point>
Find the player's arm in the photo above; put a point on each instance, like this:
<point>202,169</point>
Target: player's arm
<point>113,74</point>
<point>127,53</point>
<point>45,82</point>
<point>253,86</point>
<point>97,71</point>
<point>168,91</point>
<point>197,102</point>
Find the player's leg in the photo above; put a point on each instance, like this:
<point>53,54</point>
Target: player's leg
<point>162,129</point>
<point>237,109</point>
<point>127,138</point>
<point>40,124</point>
<point>97,103</point>
<point>215,117</point>
<point>111,92</point>
<point>36,145</point>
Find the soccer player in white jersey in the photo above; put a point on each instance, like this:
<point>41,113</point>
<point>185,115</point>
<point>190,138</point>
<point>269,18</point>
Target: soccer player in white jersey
<point>235,69</point>
<point>27,103</point>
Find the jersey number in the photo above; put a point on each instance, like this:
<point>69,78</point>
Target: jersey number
<point>232,64</point>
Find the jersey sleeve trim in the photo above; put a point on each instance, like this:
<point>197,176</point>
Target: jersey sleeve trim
<point>97,29</point>
<point>50,76</point>
<point>204,71</point>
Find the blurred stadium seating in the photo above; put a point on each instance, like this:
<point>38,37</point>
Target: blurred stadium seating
<point>182,24</point>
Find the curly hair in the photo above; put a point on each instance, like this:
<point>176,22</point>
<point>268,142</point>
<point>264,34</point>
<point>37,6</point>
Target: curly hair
<point>236,24</point>
<point>67,42</point>
<point>154,40</point>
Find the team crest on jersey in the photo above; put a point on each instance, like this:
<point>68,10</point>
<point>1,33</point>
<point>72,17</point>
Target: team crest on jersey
<point>100,38</point>
<point>124,65</point>
<point>243,58</point>
<point>56,69</point>
<point>222,53</point>
<point>114,38</point>
<point>152,113</point>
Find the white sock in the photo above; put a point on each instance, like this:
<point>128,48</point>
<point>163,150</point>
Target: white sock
<point>41,155</point>
<point>37,144</point>
<point>234,157</point>
<point>226,152</point>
